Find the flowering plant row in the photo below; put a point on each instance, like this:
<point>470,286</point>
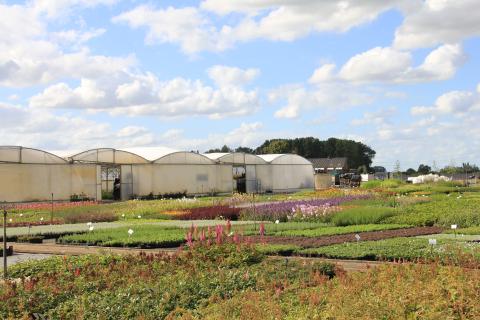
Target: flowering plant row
<point>312,209</point>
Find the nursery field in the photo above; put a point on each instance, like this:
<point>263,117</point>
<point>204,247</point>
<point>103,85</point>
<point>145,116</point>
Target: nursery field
<point>223,267</point>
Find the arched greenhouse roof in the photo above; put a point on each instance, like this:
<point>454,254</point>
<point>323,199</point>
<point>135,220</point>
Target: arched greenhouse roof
<point>17,154</point>
<point>107,155</point>
<point>184,157</point>
<point>292,159</point>
<point>236,158</point>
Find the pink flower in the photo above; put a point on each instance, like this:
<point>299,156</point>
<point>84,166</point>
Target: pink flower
<point>262,229</point>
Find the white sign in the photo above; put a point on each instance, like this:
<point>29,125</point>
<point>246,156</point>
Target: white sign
<point>91,228</point>
<point>454,226</point>
<point>277,221</point>
<point>357,237</point>
<point>130,232</point>
<point>432,242</point>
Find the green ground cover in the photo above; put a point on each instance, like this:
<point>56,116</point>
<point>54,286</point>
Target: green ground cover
<point>442,210</point>
<point>145,236</point>
<point>396,248</point>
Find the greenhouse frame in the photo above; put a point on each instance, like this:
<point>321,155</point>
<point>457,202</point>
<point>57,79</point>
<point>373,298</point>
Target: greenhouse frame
<point>29,174</point>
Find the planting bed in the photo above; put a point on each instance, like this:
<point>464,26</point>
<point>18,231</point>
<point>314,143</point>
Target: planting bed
<point>335,239</point>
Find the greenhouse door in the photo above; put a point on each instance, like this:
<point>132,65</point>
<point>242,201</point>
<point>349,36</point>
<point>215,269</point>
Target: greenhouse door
<point>251,179</point>
<point>110,174</point>
<point>126,182</point>
<point>239,179</point>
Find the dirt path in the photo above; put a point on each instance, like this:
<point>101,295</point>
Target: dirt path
<point>75,250</point>
<point>54,249</point>
<point>309,242</point>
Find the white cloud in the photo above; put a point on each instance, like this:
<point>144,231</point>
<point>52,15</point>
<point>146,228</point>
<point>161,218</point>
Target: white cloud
<point>55,8</point>
<point>391,65</point>
<point>326,97</point>
<point>144,94</point>
<point>47,130</point>
<point>185,26</point>
<point>279,20</point>
<point>457,103</point>
<point>436,22</point>
<point>30,55</point>
<point>287,20</point>
<point>76,37</point>
<point>381,117</point>
<point>232,76</point>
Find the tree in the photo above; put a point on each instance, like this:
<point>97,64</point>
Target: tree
<point>224,149</point>
<point>397,170</point>
<point>244,149</point>
<point>424,169</point>
<point>410,172</point>
<point>357,153</point>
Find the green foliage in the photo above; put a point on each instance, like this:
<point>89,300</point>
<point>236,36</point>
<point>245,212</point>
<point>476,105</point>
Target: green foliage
<point>442,211</point>
<point>362,215</point>
<point>145,236</point>
<point>389,249</point>
<point>375,184</point>
<point>30,239</point>
<point>234,282</point>
<point>277,249</point>
<point>358,154</point>
<point>329,231</point>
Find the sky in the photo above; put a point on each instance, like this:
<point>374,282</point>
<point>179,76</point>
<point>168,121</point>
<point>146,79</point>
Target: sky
<point>401,76</point>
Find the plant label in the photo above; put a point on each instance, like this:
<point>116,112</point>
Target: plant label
<point>357,236</point>
<point>454,226</point>
<point>432,242</point>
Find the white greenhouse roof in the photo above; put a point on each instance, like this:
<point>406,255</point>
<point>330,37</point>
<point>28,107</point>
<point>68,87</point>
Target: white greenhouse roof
<point>287,158</point>
<point>139,155</point>
<point>17,154</point>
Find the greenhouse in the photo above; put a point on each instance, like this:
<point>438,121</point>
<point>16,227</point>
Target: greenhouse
<point>29,174</point>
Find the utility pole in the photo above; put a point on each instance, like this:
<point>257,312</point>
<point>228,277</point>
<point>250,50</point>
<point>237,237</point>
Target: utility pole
<point>4,243</point>
<point>51,214</point>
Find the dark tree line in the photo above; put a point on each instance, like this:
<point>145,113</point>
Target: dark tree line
<point>358,154</point>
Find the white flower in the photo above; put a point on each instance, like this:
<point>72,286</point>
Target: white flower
<point>89,224</point>
<point>139,217</point>
<point>277,221</point>
<point>91,228</point>
<point>130,232</point>
<point>21,214</point>
<point>41,219</point>
<point>123,215</point>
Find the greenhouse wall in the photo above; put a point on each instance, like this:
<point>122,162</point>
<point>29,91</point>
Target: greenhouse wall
<point>37,182</point>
